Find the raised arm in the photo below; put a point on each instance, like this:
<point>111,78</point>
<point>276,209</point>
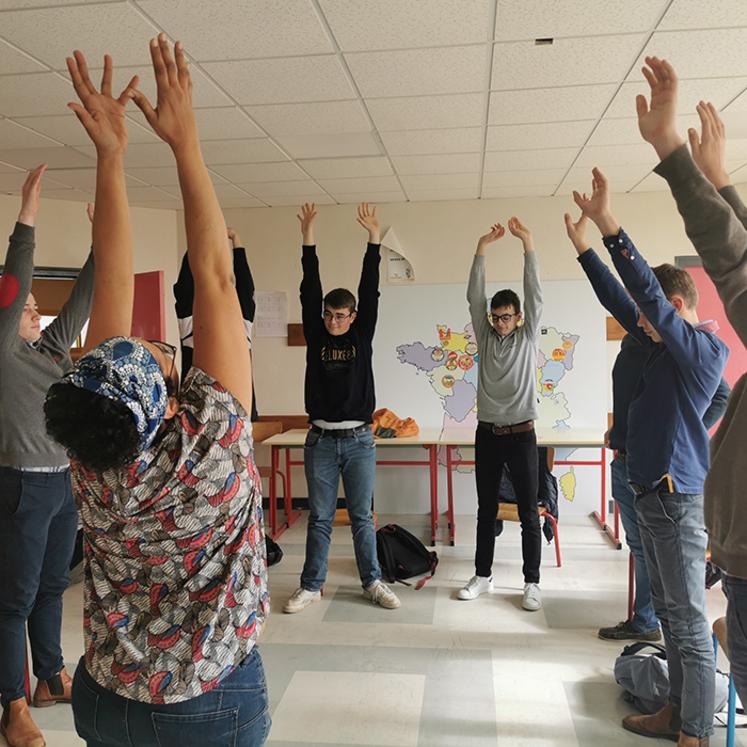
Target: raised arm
<point>311,283</point>
<point>607,288</point>
<point>18,272</point>
<point>532,285</point>
<point>244,280</point>
<point>368,288</point>
<point>476,298</point>
<point>718,405</point>
<point>219,347</point>
<point>103,118</point>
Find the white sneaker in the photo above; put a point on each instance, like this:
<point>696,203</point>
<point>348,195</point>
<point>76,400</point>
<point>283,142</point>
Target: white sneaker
<point>532,598</point>
<point>301,599</point>
<point>475,586</point>
<point>382,595</point>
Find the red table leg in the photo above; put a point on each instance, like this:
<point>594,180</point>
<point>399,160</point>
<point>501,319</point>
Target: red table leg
<point>450,494</point>
<point>601,516</point>
<point>291,516</point>
<point>273,491</point>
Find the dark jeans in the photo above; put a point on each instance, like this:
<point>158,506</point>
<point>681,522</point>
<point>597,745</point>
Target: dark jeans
<point>519,452</point>
<point>234,714</point>
<point>674,541</point>
<point>38,521</point>
<point>736,635</point>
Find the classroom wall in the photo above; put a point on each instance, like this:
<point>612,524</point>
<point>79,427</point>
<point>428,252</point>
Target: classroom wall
<point>63,239</point>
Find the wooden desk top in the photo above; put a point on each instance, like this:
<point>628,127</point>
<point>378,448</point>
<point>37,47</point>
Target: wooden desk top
<point>297,437</point>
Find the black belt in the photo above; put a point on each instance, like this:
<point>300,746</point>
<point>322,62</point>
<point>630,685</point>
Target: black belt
<point>664,485</point>
<point>339,432</point>
<point>505,430</point>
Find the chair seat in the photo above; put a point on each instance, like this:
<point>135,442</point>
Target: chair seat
<point>510,512</point>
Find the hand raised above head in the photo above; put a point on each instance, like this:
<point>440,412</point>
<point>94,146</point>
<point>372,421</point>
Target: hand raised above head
<point>90,207</point>
<point>30,194</point>
<point>496,232</point>
<point>709,150</point>
<point>173,118</point>
<point>656,117</point>
<point>597,206</point>
<point>368,219</point>
<point>99,112</point>
<point>577,231</point>
<point>306,218</point>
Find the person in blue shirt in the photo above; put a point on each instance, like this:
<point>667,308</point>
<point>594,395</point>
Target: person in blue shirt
<point>667,456</point>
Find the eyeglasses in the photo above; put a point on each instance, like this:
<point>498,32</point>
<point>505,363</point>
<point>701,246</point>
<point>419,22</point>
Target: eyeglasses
<point>170,351</point>
<point>330,317</point>
<point>505,318</point>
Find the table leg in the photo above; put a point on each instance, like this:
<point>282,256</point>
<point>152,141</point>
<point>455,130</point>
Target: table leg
<point>601,516</point>
<point>273,491</point>
<point>433,454</point>
<point>450,494</point>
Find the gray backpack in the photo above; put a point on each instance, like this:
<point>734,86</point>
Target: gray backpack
<point>645,678</point>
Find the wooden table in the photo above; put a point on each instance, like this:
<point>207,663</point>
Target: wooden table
<point>581,438</point>
<point>428,439</point>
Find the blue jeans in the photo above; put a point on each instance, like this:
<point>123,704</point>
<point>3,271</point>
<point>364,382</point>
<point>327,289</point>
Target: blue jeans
<point>234,714</point>
<point>644,617</point>
<point>325,459</point>
<point>38,522</point>
<point>674,541</point>
<point>736,635</point>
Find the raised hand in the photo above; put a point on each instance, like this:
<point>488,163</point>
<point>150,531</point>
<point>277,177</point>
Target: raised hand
<point>307,217</point>
<point>519,230</point>
<point>577,231</point>
<point>173,119</point>
<point>709,150</point>
<point>233,237</point>
<point>90,207</point>
<point>496,232</point>
<point>368,219</point>
<point>597,206</point>
<point>30,193</point>
<point>99,112</point>
<point>656,119</point>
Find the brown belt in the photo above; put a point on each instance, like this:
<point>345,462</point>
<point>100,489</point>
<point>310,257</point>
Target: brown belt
<point>505,430</point>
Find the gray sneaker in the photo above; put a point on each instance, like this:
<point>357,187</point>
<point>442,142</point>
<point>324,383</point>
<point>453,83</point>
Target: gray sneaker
<point>300,600</point>
<point>382,595</point>
<point>532,600</point>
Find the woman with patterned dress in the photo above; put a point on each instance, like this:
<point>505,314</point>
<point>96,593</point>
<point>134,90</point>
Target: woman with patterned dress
<point>175,572</point>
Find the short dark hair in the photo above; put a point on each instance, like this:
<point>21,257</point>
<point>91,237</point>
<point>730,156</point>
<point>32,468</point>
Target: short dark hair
<point>675,281</point>
<point>340,298</point>
<point>94,430</point>
<point>506,297</point>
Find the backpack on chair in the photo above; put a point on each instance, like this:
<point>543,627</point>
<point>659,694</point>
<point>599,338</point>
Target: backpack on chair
<point>402,555</point>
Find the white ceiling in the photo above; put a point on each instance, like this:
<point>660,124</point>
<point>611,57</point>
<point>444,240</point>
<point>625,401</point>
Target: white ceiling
<point>339,101</point>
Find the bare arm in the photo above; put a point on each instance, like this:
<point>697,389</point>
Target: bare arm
<point>219,339</point>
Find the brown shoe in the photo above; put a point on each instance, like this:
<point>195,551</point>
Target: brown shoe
<point>18,727</point>
<point>687,741</point>
<point>665,724</point>
<point>57,690</point>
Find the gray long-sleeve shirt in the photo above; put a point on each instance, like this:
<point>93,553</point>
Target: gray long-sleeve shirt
<point>507,366</point>
<point>26,371</point>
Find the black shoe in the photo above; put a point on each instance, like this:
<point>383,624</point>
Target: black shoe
<point>624,631</point>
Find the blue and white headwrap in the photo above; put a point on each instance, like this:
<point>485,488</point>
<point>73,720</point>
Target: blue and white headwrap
<point>123,369</point>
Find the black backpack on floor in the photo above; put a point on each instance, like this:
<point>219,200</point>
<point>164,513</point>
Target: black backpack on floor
<point>274,552</point>
<point>402,555</point>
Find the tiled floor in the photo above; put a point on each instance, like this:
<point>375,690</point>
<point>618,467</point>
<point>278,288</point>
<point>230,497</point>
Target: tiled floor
<point>439,672</point>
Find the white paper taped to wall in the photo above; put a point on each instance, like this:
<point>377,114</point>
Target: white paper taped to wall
<point>271,318</point>
<point>398,267</point>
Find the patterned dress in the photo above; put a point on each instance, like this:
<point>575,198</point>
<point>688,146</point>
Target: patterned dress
<point>176,574</point>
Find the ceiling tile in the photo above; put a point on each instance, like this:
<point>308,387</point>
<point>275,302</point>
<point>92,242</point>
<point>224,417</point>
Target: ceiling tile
<point>158,204</point>
<point>625,130</point>
<point>621,177</point>
<point>71,195</point>
<point>527,136</point>
<point>226,123</point>
<point>140,154</point>
<point>162,176</point>
<point>652,183</point>
<point>340,144</point>
<point>338,168</point>
<point>415,72</point>
<point>241,151</point>
<point>707,53</point>
<point>395,24</point>
<point>229,30</point>
<point>56,158</point>
<point>298,189</point>
<point>561,104</point>
<point>6,168</point>
<point>146,194</point>
<point>541,177</point>
<point>230,191</point>
<point>739,176</point>
<point>282,81</point>
<point>424,112</point>
<point>458,163</point>
<point>36,93</point>
<point>67,129</point>
<point>604,156</point>
<point>720,91</point>
<point>278,200</point>
<point>534,190</point>
<point>509,160</point>
<point>439,195</point>
<point>522,65</point>
<point>20,4</point>
<point>14,136</point>
<point>695,14</point>
<point>361,184</point>
<point>311,119</point>
<point>84,179</point>
<point>113,28</point>
<point>420,183</point>
<point>11,183</point>
<point>425,142</point>
<point>374,198</point>
<point>242,173</point>
<point>532,19</point>
<point>13,61</point>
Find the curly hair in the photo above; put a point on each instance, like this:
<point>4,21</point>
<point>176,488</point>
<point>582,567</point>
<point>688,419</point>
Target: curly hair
<point>96,431</point>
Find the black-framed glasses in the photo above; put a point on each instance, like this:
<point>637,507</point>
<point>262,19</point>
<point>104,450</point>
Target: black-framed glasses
<point>505,318</point>
<point>330,317</point>
<point>169,350</point>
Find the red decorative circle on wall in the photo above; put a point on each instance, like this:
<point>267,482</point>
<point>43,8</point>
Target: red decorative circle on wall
<point>8,290</point>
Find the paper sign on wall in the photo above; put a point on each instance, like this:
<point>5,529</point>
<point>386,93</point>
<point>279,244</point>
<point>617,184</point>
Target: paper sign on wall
<point>398,267</point>
<point>271,318</point>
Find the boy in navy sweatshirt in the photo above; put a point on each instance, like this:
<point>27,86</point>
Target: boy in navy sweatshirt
<point>667,457</point>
